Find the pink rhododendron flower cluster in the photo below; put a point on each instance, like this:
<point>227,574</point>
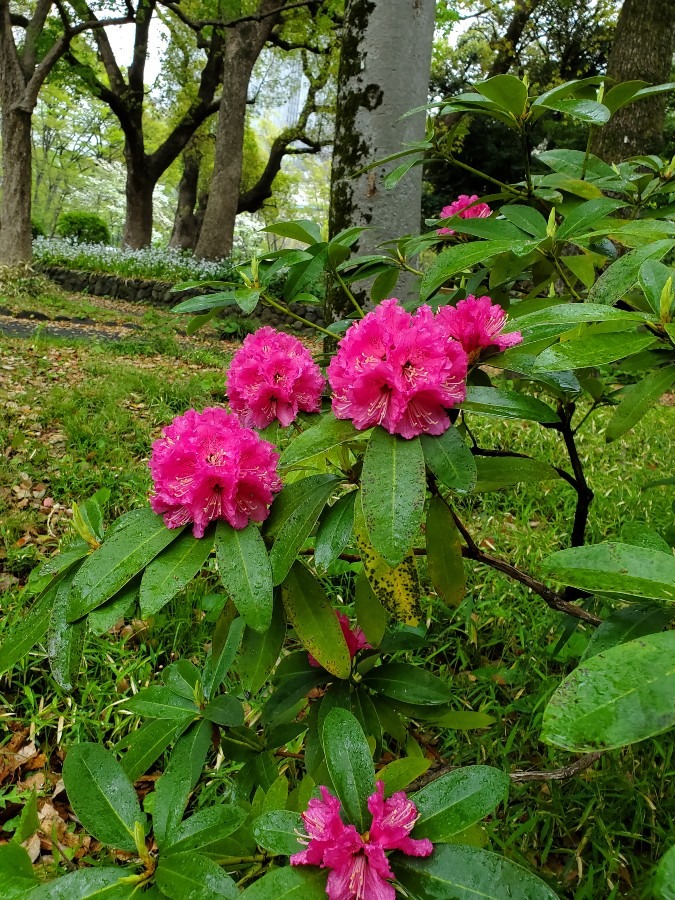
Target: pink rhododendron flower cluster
<point>208,466</point>
<point>398,370</point>
<point>476,323</point>
<point>359,868</point>
<point>463,206</point>
<point>273,376</point>
<point>355,638</point>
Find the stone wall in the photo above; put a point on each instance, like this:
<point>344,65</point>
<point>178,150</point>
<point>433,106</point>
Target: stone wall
<point>158,293</point>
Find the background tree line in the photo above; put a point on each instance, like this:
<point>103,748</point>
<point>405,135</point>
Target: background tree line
<point>243,110</point>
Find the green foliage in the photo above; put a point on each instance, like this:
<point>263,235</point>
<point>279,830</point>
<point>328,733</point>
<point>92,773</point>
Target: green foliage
<point>391,530</point>
<point>83,227</point>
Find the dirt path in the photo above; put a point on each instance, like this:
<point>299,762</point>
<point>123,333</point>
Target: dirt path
<point>70,330</point>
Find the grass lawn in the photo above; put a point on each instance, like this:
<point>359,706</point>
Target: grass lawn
<point>74,418</point>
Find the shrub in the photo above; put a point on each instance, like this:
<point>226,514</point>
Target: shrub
<point>83,227</point>
<point>36,229</point>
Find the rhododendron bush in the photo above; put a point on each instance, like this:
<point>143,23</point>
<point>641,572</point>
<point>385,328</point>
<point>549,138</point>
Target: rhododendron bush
<point>539,303</point>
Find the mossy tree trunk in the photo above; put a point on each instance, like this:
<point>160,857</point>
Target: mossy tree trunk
<point>384,72</point>
<point>642,50</point>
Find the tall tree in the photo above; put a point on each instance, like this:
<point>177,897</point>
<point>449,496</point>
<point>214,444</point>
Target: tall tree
<point>245,42</point>
<point>126,97</point>
<point>25,63</point>
<point>384,72</point>
<point>642,50</point>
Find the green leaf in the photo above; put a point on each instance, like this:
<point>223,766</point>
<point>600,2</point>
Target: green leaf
<point>65,642</point>
<point>104,617</point>
<point>614,568</point>
<point>102,796</point>
<point>572,314</point>
<point>217,301</point>
<point>224,710</point>
<point>27,630</point>
<point>622,275</point>
<point>393,490</point>
<point>172,570</point>
<point>16,872</point>
<point>205,827</point>
<point>462,256</point>
<point>277,832</point>
<point>450,460</point>
<point>653,276</point>
<point>591,351</point>
<point>189,876</point>
<point>215,669</point>
<point>297,525</point>
<point>310,613</point>
<point>327,433</point>
<point>181,775</point>
<point>161,703</point>
<point>370,614</point>
<point>116,562</point>
<point>489,401</point>
<point>182,677</point>
<point>100,883</point>
<point>585,216</point>
<point>259,652</point>
<point>627,624</point>
<point>384,284</point>
<point>281,706</point>
<point>507,91</point>
<point>460,719</point>
<point>350,764</point>
<point>408,683</point>
<point>458,800</point>
<point>496,472</point>
<point>246,573</point>
<point>527,219</point>
<point>664,877</point>
<point>149,742</point>
<point>399,773</point>
<point>302,230</point>
<point>301,883</point>
<point>396,175</point>
<point>615,698</point>
<point>468,873</point>
<point>444,553</point>
<point>590,112</point>
<point>621,94</point>
<point>637,400</point>
<point>28,821</point>
<point>246,299</point>
<point>335,531</point>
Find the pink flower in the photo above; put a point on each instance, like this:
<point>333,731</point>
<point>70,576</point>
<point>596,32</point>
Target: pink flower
<point>397,370</point>
<point>208,466</point>
<point>476,323</point>
<point>359,866</point>
<point>272,376</point>
<point>463,206</point>
<point>355,638</point>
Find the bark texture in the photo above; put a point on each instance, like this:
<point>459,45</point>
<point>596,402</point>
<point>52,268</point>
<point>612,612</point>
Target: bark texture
<point>15,230</point>
<point>384,72</point>
<point>242,48</point>
<point>642,50</point>
<point>189,215</point>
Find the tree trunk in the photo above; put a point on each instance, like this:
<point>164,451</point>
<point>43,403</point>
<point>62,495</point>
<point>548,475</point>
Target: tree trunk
<point>243,45</point>
<point>375,88</point>
<point>185,224</point>
<point>16,245</point>
<point>140,186</point>
<point>642,49</point>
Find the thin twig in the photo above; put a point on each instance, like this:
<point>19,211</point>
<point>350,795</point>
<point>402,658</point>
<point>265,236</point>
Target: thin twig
<point>519,776</point>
